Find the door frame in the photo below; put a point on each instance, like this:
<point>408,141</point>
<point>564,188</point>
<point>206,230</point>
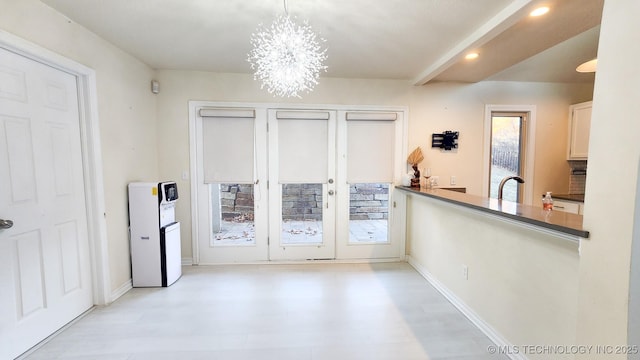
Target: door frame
<point>399,169</point>
<point>91,156</point>
<point>530,144</point>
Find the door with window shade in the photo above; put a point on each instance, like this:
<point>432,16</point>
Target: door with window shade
<point>302,184</point>
<point>232,192</point>
<point>369,155</point>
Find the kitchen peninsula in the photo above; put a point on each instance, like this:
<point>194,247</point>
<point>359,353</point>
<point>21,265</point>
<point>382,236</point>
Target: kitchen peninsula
<point>553,220</point>
<point>512,269</point>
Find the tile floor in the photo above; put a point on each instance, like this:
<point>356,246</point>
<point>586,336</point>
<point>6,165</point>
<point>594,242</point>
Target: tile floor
<point>283,312</point>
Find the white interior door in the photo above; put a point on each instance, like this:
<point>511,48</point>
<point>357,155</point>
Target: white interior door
<point>45,274</point>
<point>302,184</point>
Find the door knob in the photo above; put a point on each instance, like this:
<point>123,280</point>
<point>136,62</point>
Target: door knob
<point>331,192</point>
<point>5,224</point>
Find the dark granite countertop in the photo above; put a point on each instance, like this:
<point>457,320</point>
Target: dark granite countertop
<point>555,220</point>
<point>570,197</point>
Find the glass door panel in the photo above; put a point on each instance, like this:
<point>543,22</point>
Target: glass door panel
<point>232,214</point>
<point>507,154</point>
<point>368,213</point>
<point>302,214</point>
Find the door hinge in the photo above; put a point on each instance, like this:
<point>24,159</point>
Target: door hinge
<point>267,127</point>
<point>268,240</point>
<point>394,204</point>
<point>267,184</point>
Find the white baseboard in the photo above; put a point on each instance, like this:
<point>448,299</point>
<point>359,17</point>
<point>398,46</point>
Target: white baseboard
<point>187,261</point>
<point>121,290</point>
<point>487,329</point>
<point>306,262</point>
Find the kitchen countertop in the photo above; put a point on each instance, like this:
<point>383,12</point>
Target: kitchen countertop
<point>555,220</point>
<point>570,197</point>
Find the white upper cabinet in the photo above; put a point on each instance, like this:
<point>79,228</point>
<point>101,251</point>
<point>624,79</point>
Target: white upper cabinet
<point>579,124</point>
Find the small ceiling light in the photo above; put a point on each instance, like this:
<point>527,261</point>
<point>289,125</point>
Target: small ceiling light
<point>588,67</point>
<point>471,56</point>
<point>286,56</point>
<point>540,11</point>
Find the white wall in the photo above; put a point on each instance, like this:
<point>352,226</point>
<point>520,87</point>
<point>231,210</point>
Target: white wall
<point>521,282</point>
<point>611,189</point>
<point>126,107</point>
<point>432,108</point>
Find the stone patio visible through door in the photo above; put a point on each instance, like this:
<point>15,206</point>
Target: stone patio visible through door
<point>300,232</point>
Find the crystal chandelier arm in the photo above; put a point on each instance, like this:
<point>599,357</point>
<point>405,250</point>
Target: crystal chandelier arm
<point>286,9</point>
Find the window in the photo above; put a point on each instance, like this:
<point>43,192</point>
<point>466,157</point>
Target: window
<point>508,143</point>
<point>509,150</point>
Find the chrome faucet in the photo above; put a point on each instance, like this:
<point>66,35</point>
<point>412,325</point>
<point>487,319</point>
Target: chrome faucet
<point>501,187</point>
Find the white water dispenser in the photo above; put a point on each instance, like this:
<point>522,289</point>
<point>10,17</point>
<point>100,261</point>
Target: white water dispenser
<point>156,258</point>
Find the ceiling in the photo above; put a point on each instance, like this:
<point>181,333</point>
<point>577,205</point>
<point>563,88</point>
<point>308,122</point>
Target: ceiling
<point>420,41</point>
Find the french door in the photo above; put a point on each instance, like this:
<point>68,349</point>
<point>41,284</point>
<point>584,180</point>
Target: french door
<point>231,185</point>
<point>295,184</point>
<point>302,184</point>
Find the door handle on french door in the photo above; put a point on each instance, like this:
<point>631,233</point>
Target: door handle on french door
<point>331,192</point>
<point>5,224</point>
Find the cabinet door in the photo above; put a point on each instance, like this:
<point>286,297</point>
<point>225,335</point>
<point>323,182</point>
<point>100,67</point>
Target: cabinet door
<point>580,124</point>
<point>566,206</point>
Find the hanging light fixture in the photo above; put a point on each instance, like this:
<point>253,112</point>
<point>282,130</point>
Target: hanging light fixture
<point>287,57</point>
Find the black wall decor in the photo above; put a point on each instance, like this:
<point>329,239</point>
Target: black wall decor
<point>447,140</point>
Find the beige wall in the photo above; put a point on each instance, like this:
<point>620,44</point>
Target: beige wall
<point>127,111</point>
<point>611,190</point>
<point>432,108</point>
<point>521,282</point>
<point>460,107</point>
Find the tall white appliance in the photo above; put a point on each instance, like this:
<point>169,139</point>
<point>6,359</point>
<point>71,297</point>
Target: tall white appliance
<point>155,234</point>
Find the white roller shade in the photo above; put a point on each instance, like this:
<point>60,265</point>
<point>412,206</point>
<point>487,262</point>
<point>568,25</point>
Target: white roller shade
<point>302,150</point>
<point>227,113</point>
<point>228,149</point>
<point>371,116</point>
<point>302,115</point>
<point>370,151</point>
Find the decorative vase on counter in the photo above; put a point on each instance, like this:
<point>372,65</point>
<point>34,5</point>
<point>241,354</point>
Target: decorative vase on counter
<point>415,180</point>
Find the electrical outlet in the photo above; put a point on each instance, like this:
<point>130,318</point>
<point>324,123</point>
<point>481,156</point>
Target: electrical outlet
<point>453,180</point>
<point>434,180</point>
<point>185,175</point>
<point>465,272</point>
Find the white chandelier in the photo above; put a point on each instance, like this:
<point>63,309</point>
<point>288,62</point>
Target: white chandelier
<point>286,57</point>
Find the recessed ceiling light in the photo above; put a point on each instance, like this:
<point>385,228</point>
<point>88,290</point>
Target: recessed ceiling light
<point>471,56</point>
<point>540,11</point>
<point>589,66</point>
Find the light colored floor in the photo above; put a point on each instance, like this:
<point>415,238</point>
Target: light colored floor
<point>283,312</point>
<point>301,232</point>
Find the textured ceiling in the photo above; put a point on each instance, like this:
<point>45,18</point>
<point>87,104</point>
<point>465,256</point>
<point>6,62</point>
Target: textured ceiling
<point>414,40</point>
